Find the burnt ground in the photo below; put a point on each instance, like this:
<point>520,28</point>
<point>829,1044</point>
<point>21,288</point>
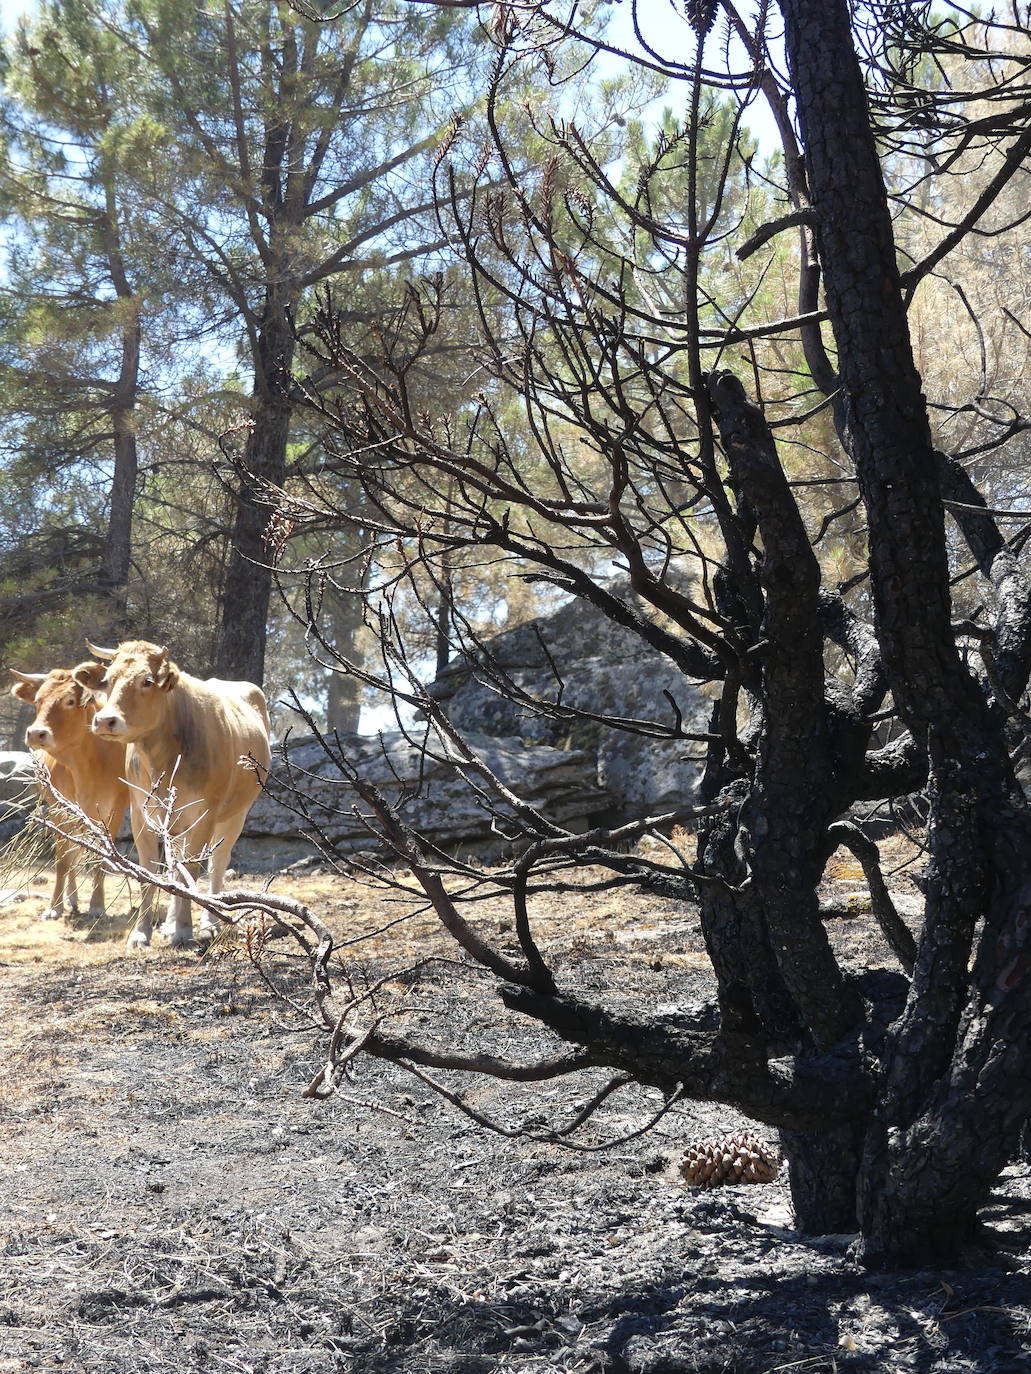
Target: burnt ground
<point>169,1201</point>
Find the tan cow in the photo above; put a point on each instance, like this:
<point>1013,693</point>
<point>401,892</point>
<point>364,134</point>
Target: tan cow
<point>186,739</point>
<point>87,770</point>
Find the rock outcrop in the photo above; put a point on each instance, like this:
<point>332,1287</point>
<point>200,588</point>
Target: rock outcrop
<point>605,670</point>
<point>437,801</point>
<point>17,792</point>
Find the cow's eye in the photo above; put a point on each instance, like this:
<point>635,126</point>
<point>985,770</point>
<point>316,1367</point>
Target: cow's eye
<point>69,701</point>
<point>147,682</point>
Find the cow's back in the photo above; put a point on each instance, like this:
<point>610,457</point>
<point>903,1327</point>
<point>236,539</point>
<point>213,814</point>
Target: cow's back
<point>218,723</point>
<point>249,694</point>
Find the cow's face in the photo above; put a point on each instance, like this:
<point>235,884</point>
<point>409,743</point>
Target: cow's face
<point>64,709</point>
<point>134,685</point>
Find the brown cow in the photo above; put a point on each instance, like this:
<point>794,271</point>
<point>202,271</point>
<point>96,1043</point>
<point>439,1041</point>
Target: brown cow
<point>186,739</point>
<point>87,770</point>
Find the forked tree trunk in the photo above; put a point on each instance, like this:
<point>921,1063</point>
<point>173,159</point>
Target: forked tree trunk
<point>764,860</point>
<point>956,1087</point>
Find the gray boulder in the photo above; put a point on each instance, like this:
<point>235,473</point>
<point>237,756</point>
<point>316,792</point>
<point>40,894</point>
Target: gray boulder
<point>605,670</point>
<point>17,792</point>
<point>437,802</point>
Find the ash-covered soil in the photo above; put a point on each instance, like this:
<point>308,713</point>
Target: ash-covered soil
<point>169,1200</point>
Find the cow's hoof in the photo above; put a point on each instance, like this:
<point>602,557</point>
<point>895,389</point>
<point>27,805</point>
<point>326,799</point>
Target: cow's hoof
<point>139,939</point>
<point>167,928</point>
<point>182,939</point>
<point>52,913</point>
<point>205,934</point>
<point>96,913</point>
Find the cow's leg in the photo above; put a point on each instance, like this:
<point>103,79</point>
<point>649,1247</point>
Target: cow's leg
<point>64,879</point>
<point>148,853</point>
<point>222,841</point>
<point>96,901</point>
<point>180,920</point>
<point>71,882</point>
<point>195,844</point>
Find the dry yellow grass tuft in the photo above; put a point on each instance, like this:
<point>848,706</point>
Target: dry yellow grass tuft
<point>26,939</point>
<point>843,868</point>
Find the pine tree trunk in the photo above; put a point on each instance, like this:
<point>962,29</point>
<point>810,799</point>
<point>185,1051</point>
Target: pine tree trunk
<point>754,1000</point>
<point>823,1174</point>
<point>955,1083</point>
<point>243,629</point>
<point>343,620</point>
<point>118,543</point>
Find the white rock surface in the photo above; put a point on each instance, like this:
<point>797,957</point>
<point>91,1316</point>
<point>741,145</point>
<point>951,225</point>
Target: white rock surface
<point>17,791</point>
<point>605,669</point>
<point>435,800</point>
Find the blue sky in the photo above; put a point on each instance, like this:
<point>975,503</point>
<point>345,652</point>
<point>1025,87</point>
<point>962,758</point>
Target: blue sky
<point>11,9</point>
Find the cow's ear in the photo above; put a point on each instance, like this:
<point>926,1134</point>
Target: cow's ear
<point>25,691</point>
<point>168,674</point>
<point>89,675</point>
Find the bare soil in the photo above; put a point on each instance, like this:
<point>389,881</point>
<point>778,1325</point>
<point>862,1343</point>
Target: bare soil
<point>169,1200</point>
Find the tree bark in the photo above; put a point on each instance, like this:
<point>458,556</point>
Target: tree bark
<point>753,997</point>
<point>956,1084</point>
<point>243,628</point>
<point>768,944</point>
<point>343,693</point>
<point>118,543</point>
<point>822,1174</point>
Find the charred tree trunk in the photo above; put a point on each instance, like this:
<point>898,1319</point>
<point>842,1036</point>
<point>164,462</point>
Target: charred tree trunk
<point>823,1172</point>
<point>954,1095</point>
<point>755,1002</point>
<point>763,927</point>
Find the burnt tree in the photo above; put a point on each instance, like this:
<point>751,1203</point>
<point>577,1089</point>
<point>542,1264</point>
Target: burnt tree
<point>832,536</point>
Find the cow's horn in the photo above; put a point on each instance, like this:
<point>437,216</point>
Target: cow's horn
<point>28,677</point>
<point>100,653</point>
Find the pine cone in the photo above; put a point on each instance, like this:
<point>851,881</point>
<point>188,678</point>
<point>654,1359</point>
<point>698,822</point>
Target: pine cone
<point>741,1158</point>
<point>700,15</point>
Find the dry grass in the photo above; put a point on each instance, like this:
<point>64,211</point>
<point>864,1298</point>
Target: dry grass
<point>843,868</point>
<point>25,939</point>
<point>376,925</point>
<point>899,855</point>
